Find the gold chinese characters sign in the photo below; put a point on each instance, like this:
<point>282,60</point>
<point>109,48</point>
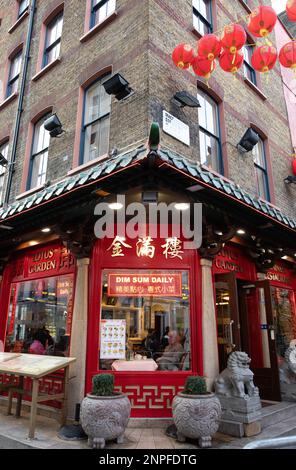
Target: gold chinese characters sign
<point>145,248</point>
<point>153,285</point>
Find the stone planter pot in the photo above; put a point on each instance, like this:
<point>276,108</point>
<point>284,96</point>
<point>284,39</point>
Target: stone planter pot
<point>105,418</point>
<point>197,417</point>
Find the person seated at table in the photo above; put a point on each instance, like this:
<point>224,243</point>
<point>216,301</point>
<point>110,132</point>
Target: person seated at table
<point>165,338</point>
<point>172,354</point>
<point>151,343</point>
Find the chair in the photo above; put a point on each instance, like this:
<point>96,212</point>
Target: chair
<point>182,360</point>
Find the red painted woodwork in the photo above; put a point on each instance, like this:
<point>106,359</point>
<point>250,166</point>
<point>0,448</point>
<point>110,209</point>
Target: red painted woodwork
<point>233,259</point>
<point>282,276</point>
<point>37,263</point>
<point>150,392</point>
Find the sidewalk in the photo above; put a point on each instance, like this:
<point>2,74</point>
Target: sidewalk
<point>14,431</point>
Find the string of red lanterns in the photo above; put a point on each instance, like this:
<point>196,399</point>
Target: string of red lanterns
<point>226,49</point>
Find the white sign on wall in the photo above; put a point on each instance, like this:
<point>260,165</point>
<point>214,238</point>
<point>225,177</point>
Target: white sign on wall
<point>113,339</point>
<point>176,128</point>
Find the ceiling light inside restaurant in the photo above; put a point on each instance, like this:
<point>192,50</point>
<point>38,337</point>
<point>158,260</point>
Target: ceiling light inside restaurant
<point>46,230</point>
<point>115,206</point>
<point>182,206</point>
<point>241,232</point>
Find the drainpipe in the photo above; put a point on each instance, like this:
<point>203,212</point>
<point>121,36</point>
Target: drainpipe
<point>20,101</point>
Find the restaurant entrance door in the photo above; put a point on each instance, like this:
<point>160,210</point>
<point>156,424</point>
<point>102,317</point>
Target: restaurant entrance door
<point>246,322</point>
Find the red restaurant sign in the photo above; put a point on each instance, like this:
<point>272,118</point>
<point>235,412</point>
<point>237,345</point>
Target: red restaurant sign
<point>140,285</point>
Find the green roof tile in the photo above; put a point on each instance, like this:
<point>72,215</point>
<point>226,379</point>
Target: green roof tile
<point>137,154</point>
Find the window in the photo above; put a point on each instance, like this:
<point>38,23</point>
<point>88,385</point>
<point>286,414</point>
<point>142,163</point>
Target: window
<point>39,154</point>
<point>23,6</point>
<point>39,318</point>
<point>261,170</point>
<point>53,40</point>
<point>101,9</point>
<point>14,74</point>
<point>96,121</point>
<point>202,16</point>
<point>4,152</point>
<point>152,326</point>
<point>209,133</point>
<point>284,307</point>
<point>249,71</point>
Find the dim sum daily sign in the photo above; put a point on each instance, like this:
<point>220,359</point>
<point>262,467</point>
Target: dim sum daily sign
<point>155,285</point>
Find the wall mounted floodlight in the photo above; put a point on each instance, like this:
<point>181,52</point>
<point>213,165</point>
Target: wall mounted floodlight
<point>183,98</point>
<point>3,161</point>
<point>290,179</point>
<point>54,126</point>
<point>248,141</point>
<point>117,85</point>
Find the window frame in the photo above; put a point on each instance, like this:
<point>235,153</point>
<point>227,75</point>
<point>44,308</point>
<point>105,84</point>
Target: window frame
<point>20,14</point>
<point>37,154</point>
<point>11,80</point>
<point>3,144</point>
<point>85,126</point>
<point>48,49</point>
<point>263,170</point>
<point>217,138</point>
<point>208,23</point>
<point>95,9</point>
<point>253,76</point>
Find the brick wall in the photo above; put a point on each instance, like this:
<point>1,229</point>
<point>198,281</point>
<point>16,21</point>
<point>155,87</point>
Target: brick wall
<point>138,43</point>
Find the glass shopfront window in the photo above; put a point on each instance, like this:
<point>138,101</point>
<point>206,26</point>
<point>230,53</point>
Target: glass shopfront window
<point>145,321</point>
<point>285,315</point>
<point>40,316</point>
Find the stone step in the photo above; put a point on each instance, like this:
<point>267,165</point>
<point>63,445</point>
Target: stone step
<point>278,413</point>
<point>161,423</point>
<point>9,443</point>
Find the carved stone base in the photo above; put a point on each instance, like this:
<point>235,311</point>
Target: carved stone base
<point>241,410</point>
<point>288,391</point>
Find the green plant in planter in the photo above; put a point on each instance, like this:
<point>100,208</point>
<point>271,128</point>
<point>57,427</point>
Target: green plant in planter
<point>195,385</point>
<point>103,385</point>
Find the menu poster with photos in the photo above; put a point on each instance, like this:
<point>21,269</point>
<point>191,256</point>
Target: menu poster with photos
<point>113,339</point>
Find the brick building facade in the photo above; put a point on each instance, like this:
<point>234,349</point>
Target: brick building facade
<point>135,38</point>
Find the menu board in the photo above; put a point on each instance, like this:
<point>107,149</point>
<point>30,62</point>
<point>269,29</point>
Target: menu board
<point>113,339</point>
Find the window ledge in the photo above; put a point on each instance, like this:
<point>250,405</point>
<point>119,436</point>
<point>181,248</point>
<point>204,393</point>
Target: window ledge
<point>98,27</point>
<point>196,33</point>
<point>8,100</point>
<point>46,69</point>
<point>29,192</point>
<point>255,89</point>
<point>87,165</point>
<point>18,21</point>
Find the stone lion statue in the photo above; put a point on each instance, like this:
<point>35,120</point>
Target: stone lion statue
<point>237,379</point>
<point>288,369</point>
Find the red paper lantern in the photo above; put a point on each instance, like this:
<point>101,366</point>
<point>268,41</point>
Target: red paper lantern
<point>264,58</point>
<point>183,56</point>
<point>287,55</point>
<point>294,166</point>
<point>234,37</point>
<point>203,67</point>
<point>209,47</point>
<point>291,10</point>
<point>262,21</point>
<point>231,63</point>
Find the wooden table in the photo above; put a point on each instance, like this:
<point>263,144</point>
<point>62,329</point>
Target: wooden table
<point>34,367</point>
